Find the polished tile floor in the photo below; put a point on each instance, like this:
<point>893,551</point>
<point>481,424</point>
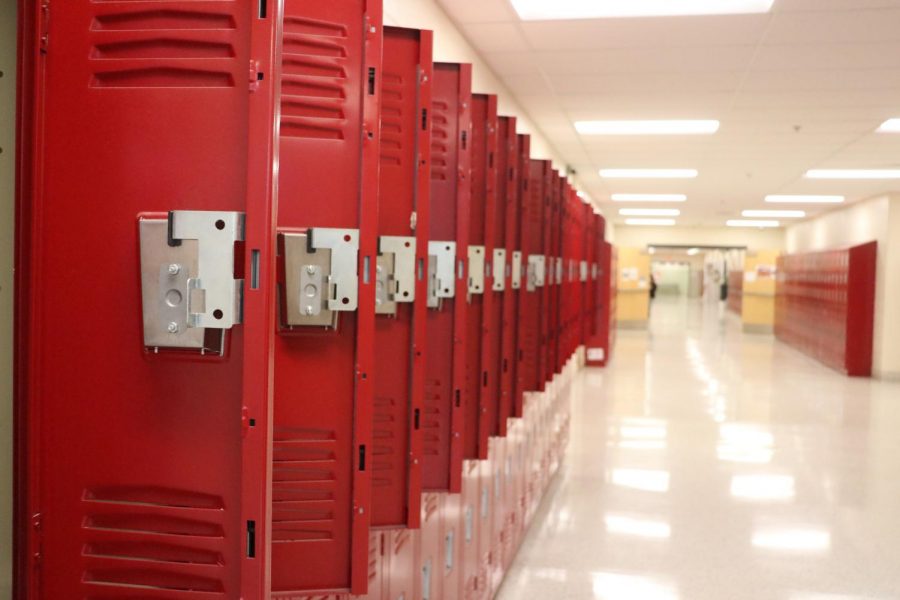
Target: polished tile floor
<point>706,464</point>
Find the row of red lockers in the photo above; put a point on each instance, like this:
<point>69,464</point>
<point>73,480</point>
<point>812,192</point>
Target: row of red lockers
<point>267,333</point>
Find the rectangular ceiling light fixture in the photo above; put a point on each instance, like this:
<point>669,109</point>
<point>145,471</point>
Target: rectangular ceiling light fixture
<point>649,212</point>
<point>546,10</point>
<point>788,199</point>
<point>890,126</point>
<point>649,198</point>
<point>752,223</point>
<point>648,173</point>
<point>651,222</point>
<point>774,214</point>
<point>853,174</point>
<point>646,127</point>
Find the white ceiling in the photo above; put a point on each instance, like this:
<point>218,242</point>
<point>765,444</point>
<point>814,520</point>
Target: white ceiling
<point>802,87</point>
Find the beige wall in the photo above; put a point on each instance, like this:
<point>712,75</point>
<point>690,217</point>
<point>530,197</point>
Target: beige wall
<point>633,293</point>
<point>7,221</point>
<point>451,46</point>
<point>874,219</point>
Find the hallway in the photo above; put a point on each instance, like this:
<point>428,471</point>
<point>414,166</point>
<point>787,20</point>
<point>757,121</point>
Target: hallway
<point>706,464</point>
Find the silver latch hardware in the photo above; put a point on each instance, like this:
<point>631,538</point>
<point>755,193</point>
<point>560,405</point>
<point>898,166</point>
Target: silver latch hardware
<point>395,273</point>
<point>516,270</point>
<point>320,275</point>
<point>559,270</point>
<point>499,270</point>
<point>583,270</point>
<point>441,275</point>
<point>537,271</point>
<point>188,289</point>
<point>476,269</point>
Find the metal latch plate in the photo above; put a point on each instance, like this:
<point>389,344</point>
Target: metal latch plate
<point>188,290</point>
<point>441,276</point>
<point>499,270</point>
<point>583,270</point>
<point>537,270</point>
<point>516,270</point>
<point>476,269</point>
<point>320,275</point>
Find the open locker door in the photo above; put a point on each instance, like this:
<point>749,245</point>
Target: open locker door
<point>520,266</point>
<point>481,407</point>
<point>531,302</point>
<point>445,356</point>
<point>324,359</point>
<point>143,390</point>
<point>507,231</point>
<point>603,274</point>
<point>401,287</point>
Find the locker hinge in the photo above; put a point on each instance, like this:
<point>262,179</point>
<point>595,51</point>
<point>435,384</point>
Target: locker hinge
<point>441,279</point>
<point>395,273</point>
<point>321,275</point>
<point>189,291</point>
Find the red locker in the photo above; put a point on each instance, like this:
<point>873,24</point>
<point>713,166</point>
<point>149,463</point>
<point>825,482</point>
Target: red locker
<point>324,350</point>
<point>513,340</point>
<point>445,350</point>
<point>480,405</point>
<point>602,320</point>
<point>548,229</point>
<point>531,302</point>
<point>400,295</point>
<point>507,232</point>
<point>554,256</point>
<point>142,426</point>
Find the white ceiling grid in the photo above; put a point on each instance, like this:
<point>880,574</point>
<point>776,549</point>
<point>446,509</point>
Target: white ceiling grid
<point>802,87</point>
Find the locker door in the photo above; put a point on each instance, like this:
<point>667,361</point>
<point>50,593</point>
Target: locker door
<point>481,407</point>
<point>515,214</point>
<point>144,309</point>
<point>548,219</point>
<point>401,287</point>
<point>506,231</point>
<point>532,300</point>
<point>324,359</point>
<point>448,238</point>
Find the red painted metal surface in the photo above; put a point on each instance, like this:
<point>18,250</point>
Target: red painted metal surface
<point>328,178</point>
<point>531,296</point>
<point>513,341</point>
<point>404,190</point>
<point>169,487</point>
<point>446,326</point>
<point>481,347</point>
<point>507,232</point>
<point>825,306</point>
<point>554,254</point>
<point>548,219</point>
<point>602,329</point>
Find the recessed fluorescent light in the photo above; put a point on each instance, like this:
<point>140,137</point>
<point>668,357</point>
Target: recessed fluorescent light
<point>890,126</point>
<point>705,127</point>
<point>649,198</point>
<point>649,212</point>
<point>774,214</point>
<point>648,173</point>
<point>853,174</point>
<point>651,222</point>
<point>543,10</point>
<point>751,223</point>
<point>788,199</point>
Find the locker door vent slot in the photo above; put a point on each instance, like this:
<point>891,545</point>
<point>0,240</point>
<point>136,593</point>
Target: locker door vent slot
<point>189,292</point>
<point>441,281</point>
<point>320,276</point>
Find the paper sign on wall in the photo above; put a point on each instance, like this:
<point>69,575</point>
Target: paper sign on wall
<point>630,274</point>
